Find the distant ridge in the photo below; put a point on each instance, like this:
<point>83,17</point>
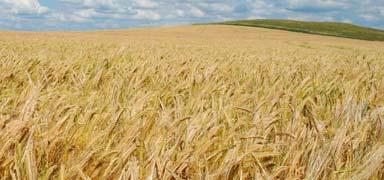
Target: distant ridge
<point>344,30</point>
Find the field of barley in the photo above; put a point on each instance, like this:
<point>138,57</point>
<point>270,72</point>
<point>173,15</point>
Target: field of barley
<point>190,102</point>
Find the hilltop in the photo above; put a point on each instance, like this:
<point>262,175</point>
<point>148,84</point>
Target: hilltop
<point>344,30</point>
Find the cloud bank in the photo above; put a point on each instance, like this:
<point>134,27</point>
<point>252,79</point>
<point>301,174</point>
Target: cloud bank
<point>47,15</point>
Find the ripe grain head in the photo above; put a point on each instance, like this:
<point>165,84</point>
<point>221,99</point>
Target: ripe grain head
<point>200,102</point>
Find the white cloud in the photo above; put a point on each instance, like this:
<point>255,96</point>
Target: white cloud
<point>95,3</point>
<point>381,9</point>
<point>177,13</point>
<point>196,12</point>
<point>24,6</point>
<point>316,4</point>
<point>98,3</point>
<point>346,21</point>
<point>86,13</point>
<point>222,7</point>
<point>368,17</point>
<point>58,16</point>
<point>89,10</point>
<point>146,3</point>
<point>77,19</point>
<point>180,13</point>
<point>146,15</point>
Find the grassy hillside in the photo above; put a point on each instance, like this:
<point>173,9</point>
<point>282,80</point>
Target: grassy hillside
<point>321,28</point>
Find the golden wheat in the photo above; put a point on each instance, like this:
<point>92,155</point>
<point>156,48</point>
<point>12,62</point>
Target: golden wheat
<point>200,102</point>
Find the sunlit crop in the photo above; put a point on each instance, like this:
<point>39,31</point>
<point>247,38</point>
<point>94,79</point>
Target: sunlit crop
<point>193,102</point>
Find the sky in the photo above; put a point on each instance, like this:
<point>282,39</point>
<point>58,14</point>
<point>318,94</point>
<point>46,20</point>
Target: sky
<point>84,15</point>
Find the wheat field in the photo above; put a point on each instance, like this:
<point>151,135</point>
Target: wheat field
<point>190,102</point>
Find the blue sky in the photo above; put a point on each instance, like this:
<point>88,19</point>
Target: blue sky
<point>51,15</point>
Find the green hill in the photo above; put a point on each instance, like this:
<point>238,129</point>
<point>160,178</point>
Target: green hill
<point>321,28</point>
